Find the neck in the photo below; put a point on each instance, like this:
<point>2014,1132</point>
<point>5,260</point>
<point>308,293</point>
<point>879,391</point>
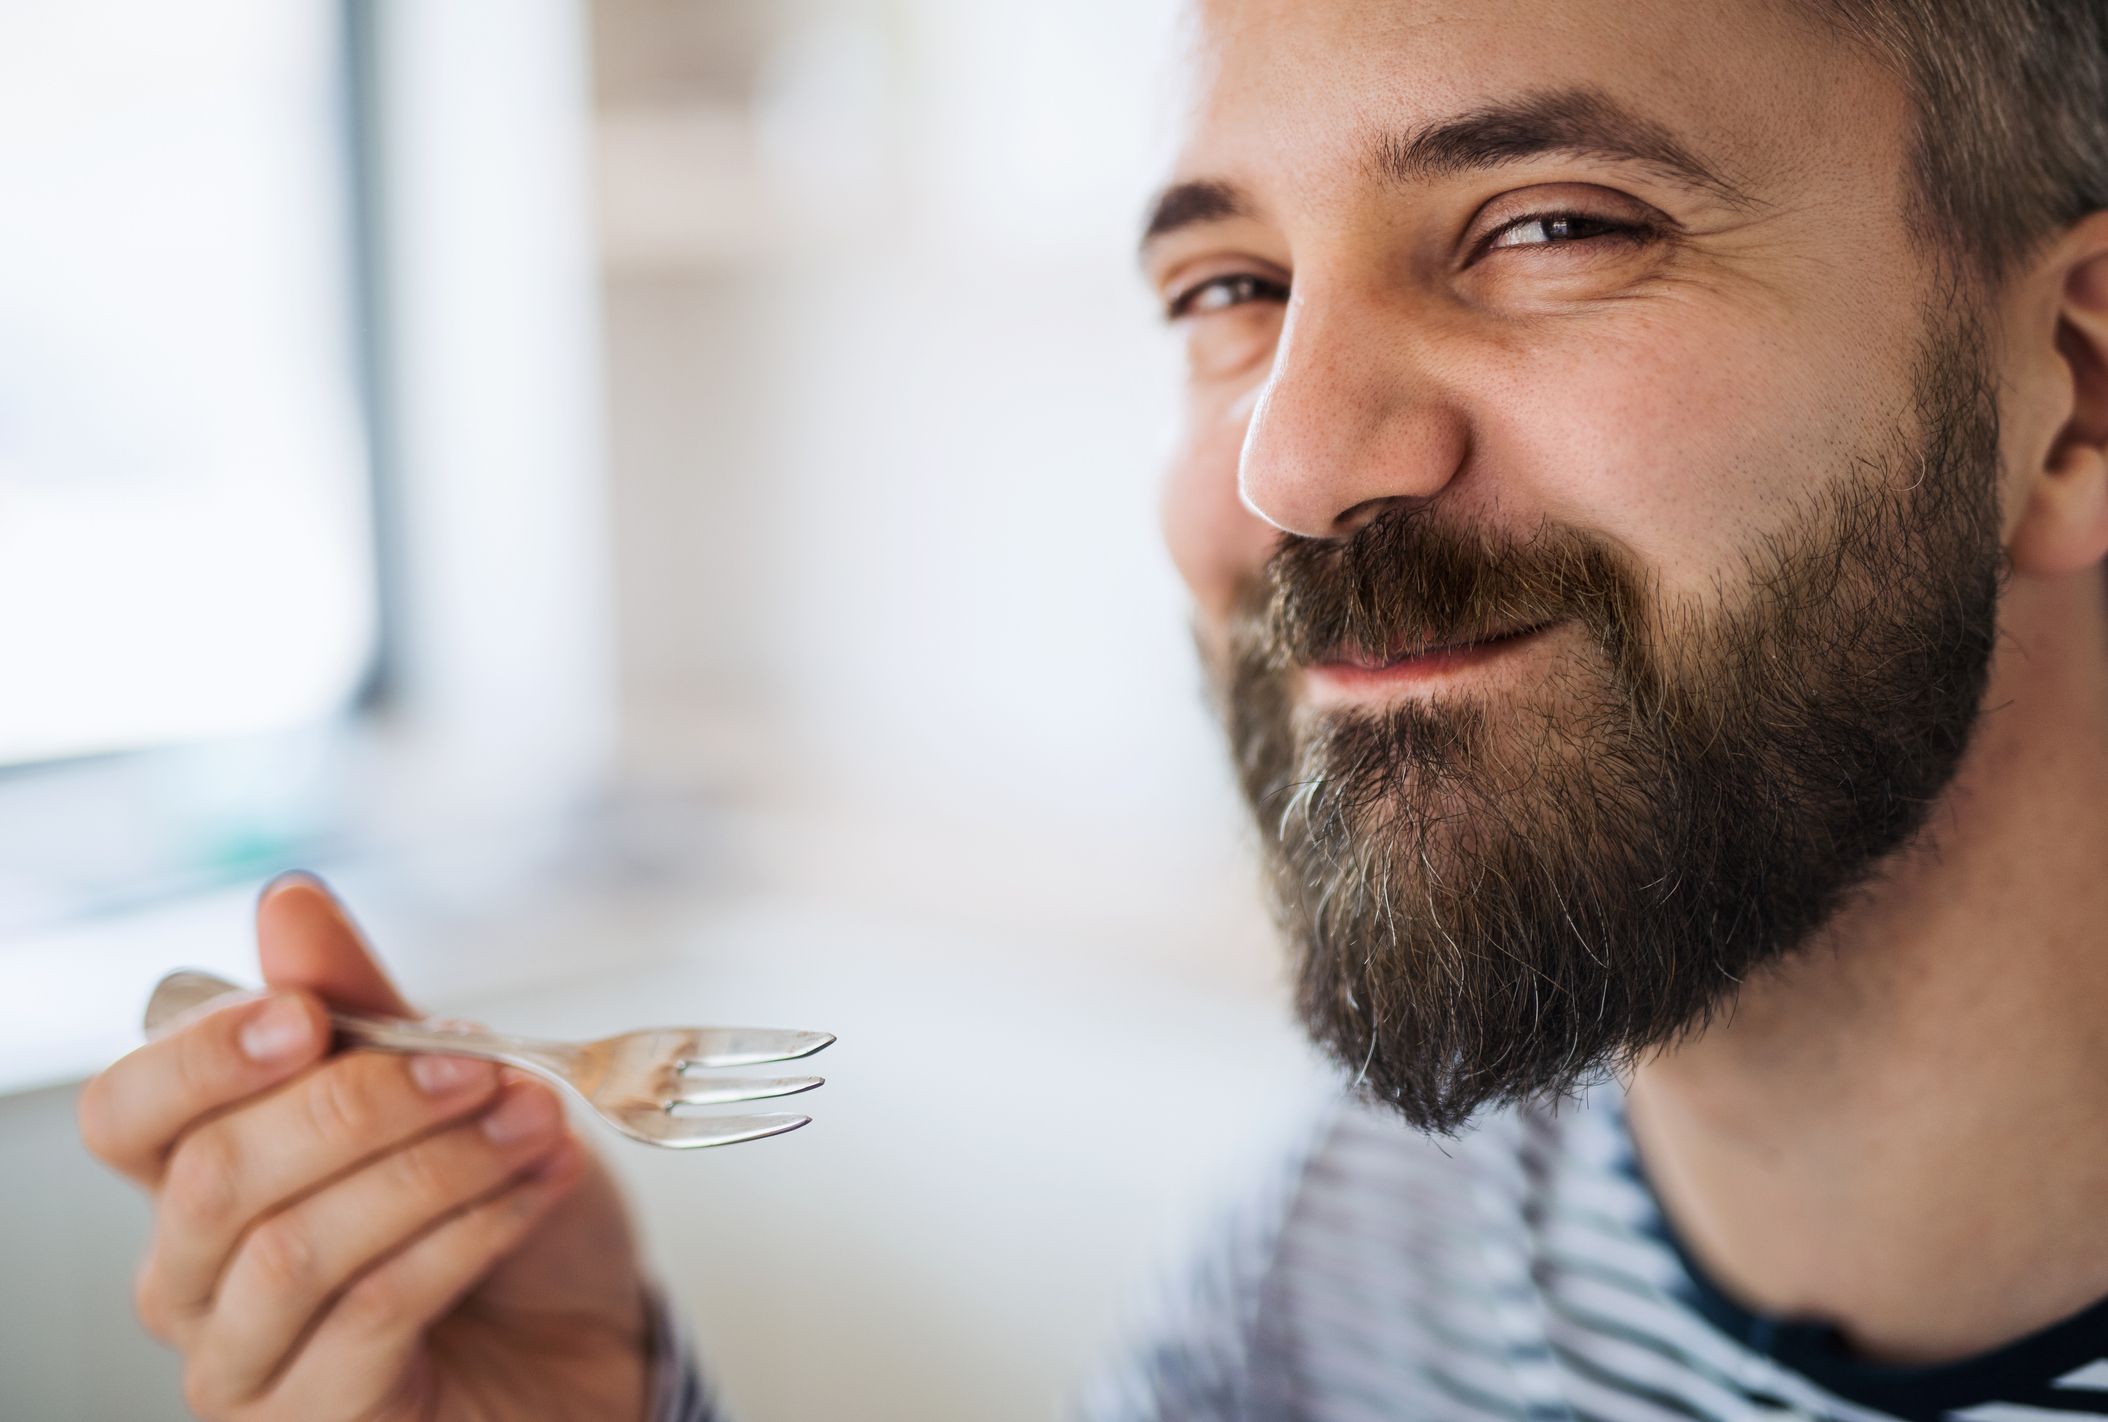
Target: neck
<point>1924,1084</point>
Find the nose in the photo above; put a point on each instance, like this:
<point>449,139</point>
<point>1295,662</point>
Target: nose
<point>1352,420</point>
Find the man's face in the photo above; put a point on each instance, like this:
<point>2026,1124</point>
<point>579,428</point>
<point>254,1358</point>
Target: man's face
<point>1602,321</point>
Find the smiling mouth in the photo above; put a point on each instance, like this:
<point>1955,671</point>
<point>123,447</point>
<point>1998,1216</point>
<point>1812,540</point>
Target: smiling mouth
<point>1410,651</point>
<point>1353,673</point>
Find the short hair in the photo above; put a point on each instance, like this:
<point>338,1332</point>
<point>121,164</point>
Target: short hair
<point>2011,142</point>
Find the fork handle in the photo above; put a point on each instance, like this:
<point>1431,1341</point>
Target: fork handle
<point>187,988</point>
<point>548,1059</point>
<point>179,992</point>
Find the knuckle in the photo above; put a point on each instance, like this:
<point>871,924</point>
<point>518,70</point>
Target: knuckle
<point>91,1117</point>
<point>282,1255</point>
<point>342,1103</point>
<point>203,1391</point>
<point>149,1305</point>
<point>202,1187</point>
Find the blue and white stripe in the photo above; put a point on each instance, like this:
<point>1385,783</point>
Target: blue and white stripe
<point>1521,1274</point>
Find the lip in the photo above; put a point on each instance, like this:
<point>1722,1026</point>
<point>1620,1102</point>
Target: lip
<point>1356,680</point>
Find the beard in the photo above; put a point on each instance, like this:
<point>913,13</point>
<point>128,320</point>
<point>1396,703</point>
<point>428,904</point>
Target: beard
<point>1491,901</point>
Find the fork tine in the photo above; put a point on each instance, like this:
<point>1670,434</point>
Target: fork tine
<point>664,1128</point>
<point>748,1046</point>
<point>726,1090</point>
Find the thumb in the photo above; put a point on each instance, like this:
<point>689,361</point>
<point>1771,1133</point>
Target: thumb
<point>305,939</point>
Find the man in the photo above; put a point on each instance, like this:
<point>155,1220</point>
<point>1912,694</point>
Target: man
<point>1645,493</point>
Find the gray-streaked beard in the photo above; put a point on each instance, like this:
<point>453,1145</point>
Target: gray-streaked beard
<point>1488,902</point>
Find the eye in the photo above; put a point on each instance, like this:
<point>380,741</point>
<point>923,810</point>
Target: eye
<point>1220,293</point>
<point>1551,229</point>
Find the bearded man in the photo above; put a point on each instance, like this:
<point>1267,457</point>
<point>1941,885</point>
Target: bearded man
<point>1644,492</point>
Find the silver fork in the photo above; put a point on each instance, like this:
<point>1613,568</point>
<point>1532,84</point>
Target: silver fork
<point>634,1081</point>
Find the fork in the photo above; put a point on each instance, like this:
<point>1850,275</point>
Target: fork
<point>634,1081</point>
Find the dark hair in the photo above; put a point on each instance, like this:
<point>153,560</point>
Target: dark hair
<point>2012,99</point>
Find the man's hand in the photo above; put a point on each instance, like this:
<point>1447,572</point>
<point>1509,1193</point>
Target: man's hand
<point>364,1236</point>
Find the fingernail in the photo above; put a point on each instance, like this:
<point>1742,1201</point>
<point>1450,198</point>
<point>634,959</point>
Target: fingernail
<point>439,1075</point>
<point>290,876</point>
<point>525,1112</point>
<point>278,1031</point>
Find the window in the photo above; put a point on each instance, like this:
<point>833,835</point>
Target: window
<point>188,577</point>
<point>186,547</point>
<point>258,254</point>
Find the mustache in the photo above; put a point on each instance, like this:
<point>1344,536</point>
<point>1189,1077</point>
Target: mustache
<point>1406,582</point>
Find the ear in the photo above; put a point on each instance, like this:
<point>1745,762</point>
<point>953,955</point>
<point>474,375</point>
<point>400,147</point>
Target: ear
<point>2064,526</point>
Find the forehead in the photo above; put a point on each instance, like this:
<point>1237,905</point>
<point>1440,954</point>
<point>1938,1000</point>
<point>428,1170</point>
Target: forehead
<point>1296,83</point>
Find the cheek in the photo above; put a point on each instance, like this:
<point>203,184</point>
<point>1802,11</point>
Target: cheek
<point>1215,541</point>
<point>1687,450</point>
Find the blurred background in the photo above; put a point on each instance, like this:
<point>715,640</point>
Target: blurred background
<point>655,501</point>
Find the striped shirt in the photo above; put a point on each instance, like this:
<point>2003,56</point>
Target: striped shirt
<point>1521,1274</point>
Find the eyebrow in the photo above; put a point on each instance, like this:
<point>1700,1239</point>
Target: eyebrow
<point>1191,204</point>
<point>1583,122</point>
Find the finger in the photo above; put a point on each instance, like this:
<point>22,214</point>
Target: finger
<point>133,1111</point>
<point>370,1337</point>
<point>305,938</point>
<point>287,1268</point>
<point>235,1169</point>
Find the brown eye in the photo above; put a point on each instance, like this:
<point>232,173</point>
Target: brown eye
<point>1562,228</point>
<point>1223,292</point>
